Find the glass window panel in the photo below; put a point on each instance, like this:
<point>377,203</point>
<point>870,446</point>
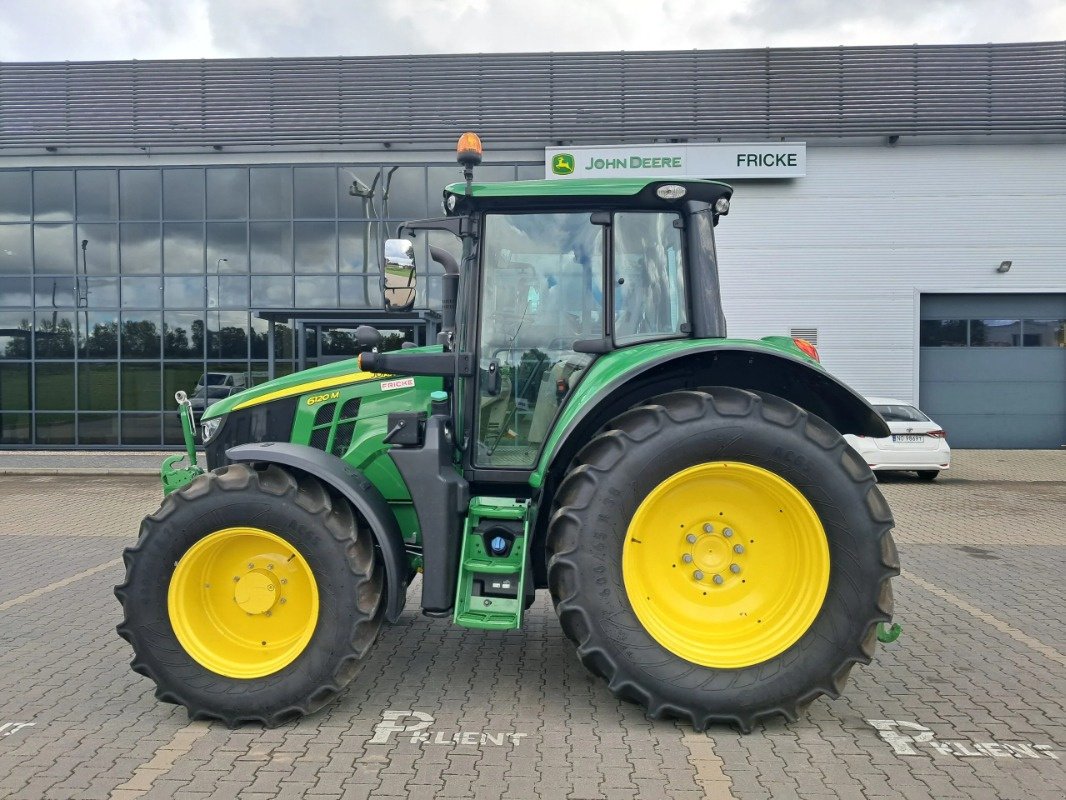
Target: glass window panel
<point>97,194</point>
<point>942,333</point>
<point>649,291</point>
<point>140,248</point>
<point>53,194</point>
<point>183,334</point>
<point>141,429</point>
<point>53,247</point>
<point>141,292</point>
<point>141,387</point>
<point>97,386</point>
<point>16,329</point>
<point>283,339</point>
<point>15,429</point>
<point>97,249</point>
<point>316,292</point>
<point>227,193</point>
<point>98,334</point>
<point>315,246</point>
<point>54,386</point>
<point>16,195</point>
<point>180,378</point>
<point>1044,333</point>
<point>139,193</point>
<point>101,292</point>
<point>363,291</point>
<point>183,292</point>
<point>15,255</point>
<point>403,194</point>
<point>227,247</point>
<point>183,247</point>
<point>995,332</point>
<point>15,387</point>
<point>54,429</point>
<point>183,194</point>
<point>358,190</point>
<point>97,428</point>
<point>227,291</point>
<point>271,292</point>
<point>271,247</point>
<point>314,192</point>
<point>271,192</point>
<point>360,246</point>
<point>54,336</point>
<point>140,334</point>
<point>54,292</point>
<point>15,292</point>
<point>227,334</point>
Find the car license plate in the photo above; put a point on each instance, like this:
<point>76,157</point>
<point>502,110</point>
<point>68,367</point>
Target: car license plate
<point>903,438</point>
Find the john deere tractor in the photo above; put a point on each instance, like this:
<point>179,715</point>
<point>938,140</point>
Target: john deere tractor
<point>713,548</point>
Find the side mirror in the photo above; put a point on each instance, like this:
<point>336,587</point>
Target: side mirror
<point>399,279</point>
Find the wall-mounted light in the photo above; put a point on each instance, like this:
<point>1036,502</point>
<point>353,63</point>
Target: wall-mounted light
<point>1004,266</point>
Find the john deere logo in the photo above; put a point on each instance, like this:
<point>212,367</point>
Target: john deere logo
<point>563,164</point>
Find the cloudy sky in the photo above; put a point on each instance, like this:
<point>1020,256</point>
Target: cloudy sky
<point>58,30</point>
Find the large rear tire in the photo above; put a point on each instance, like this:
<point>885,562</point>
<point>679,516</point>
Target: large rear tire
<point>251,596</point>
<point>721,556</point>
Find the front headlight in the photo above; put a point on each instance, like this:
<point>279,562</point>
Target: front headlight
<point>210,428</point>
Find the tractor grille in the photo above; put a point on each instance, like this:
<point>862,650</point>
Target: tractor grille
<point>332,431</point>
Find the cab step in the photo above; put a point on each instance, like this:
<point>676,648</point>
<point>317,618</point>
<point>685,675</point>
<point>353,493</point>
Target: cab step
<point>492,568</point>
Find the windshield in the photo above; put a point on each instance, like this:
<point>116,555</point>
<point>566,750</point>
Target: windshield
<point>901,413</point>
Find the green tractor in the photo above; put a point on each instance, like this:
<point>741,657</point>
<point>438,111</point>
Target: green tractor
<point>713,547</point>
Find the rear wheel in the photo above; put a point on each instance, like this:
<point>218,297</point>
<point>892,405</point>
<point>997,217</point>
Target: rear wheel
<point>251,596</point>
<point>721,556</point>
<point>928,474</point>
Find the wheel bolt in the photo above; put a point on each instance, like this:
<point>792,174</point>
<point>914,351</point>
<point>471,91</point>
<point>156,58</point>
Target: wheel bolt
<point>268,613</point>
<point>738,548</point>
<point>691,538</point>
<point>708,528</point>
<point>727,532</point>
<point>687,558</point>
<point>270,566</point>
<point>284,581</point>
<point>251,565</point>
<point>282,600</point>
<point>236,579</point>
<point>734,568</point>
<point>698,575</point>
<point>719,579</point>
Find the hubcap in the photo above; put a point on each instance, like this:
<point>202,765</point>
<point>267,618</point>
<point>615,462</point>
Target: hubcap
<point>726,564</point>
<point>243,602</point>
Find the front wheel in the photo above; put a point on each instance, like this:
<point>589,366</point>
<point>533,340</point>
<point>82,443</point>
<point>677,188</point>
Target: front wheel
<point>928,474</point>
<point>721,555</point>
<point>251,596</point>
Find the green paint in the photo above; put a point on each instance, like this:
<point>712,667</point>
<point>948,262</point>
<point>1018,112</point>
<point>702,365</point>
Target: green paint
<point>887,635</point>
<point>172,476</point>
<point>619,365</point>
<point>495,613</point>
<point>579,187</point>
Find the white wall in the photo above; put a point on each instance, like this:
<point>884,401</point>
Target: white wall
<point>847,248</point>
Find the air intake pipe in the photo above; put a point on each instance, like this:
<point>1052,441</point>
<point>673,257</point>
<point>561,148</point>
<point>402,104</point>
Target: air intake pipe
<point>449,292</point>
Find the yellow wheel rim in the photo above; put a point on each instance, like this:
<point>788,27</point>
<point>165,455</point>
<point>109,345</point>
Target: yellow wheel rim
<point>726,564</point>
<point>243,602</point>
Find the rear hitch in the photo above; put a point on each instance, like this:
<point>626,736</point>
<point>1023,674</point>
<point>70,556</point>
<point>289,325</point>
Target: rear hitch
<point>174,477</point>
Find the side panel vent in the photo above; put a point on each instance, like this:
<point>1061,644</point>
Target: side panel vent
<point>810,334</point>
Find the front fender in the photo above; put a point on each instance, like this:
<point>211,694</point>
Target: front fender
<point>359,491</point>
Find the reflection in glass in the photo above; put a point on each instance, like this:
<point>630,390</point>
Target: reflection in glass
<point>53,194</point>
<point>361,292</point>
<point>227,193</point>
<point>54,334</point>
<point>360,248</point>
<point>15,429</point>
<point>995,332</point>
<point>183,247</point>
<point>15,249</point>
<point>140,334</point>
<point>284,340</point>
<point>271,247</point>
<point>227,291</point>
<point>54,428</point>
<point>14,387</point>
<point>97,386</point>
<point>271,192</point>
<point>100,292</point>
<point>180,377</point>
<point>403,194</point>
<point>139,193</point>
<point>98,334</point>
<point>54,292</point>
<point>53,247</point>
<point>314,193</point>
<point>16,330</point>
<point>271,292</point>
<point>1044,333</point>
<point>942,333</point>
<point>316,292</point>
<point>97,194</point>
<point>141,429</point>
<point>357,192</point>
<point>140,387</point>
<point>650,303</point>
<point>183,194</point>
<point>227,247</point>
<point>54,386</point>
<point>16,292</point>
<point>316,246</point>
<point>183,334</point>
<point>140,248</point>
<point>16,195</point>
<point>97,428</point>
<point>227,334</point>
<point>141,292</point>
<point>97,249</point>
<point>183,292</point>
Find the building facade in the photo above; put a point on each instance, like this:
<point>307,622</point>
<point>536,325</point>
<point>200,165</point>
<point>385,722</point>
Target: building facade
<point>154,216</point>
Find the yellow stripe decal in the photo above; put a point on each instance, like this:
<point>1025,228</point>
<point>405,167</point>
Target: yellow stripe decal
<point>311,386</point>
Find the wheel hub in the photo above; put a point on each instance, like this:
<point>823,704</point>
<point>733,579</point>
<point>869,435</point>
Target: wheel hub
<point>257,592</point>
<point>711,553</point>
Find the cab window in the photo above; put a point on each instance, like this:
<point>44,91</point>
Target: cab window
<point>649,277</point>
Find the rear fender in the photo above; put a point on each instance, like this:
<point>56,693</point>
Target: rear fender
<point>359,491</point>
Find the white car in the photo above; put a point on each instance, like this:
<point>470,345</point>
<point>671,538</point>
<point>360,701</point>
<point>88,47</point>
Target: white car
<point>917,444</point>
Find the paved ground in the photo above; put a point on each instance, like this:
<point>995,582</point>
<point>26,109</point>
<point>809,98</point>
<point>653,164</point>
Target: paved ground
<point>969,703</point>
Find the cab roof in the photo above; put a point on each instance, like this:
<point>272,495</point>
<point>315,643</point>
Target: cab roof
<point>580,191</point>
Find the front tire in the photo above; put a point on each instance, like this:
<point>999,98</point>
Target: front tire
<point>927,474</point>
<point>653,590</point>
<point>251,596</point>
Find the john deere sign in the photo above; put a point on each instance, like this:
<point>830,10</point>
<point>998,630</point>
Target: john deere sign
<point>760,160</point>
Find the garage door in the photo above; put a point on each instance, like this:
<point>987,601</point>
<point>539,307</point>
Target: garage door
<point>992,369</point>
